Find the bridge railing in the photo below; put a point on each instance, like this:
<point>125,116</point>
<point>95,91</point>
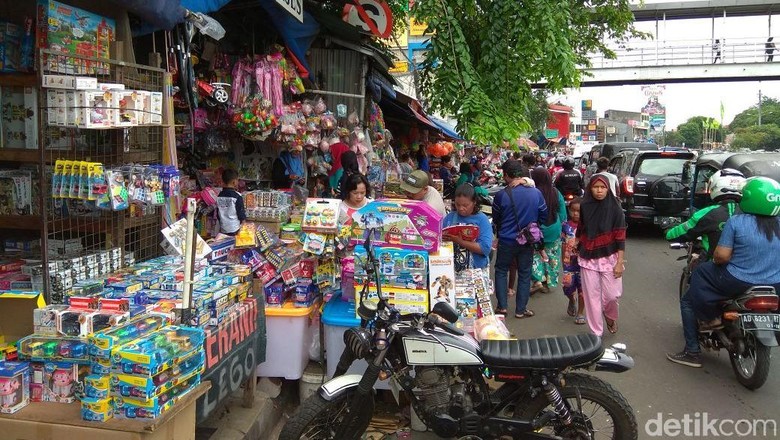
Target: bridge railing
<point>686,52</point>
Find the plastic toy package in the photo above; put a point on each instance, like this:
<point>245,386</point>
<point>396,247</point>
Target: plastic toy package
<point>148,387</point>
<point>129,407</point>
<point>101,343</point>
<point>321,215</point>
<point>14,386</point>
<point>158,351</point>
<point>50,348</point>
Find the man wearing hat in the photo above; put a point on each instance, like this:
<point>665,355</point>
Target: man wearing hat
<point>415,186</point>
<point>513,209</point>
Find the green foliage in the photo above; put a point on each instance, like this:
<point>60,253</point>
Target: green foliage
<point>770,114</point>
<point>485,54</point>
<point>696,130</point>
<point>764,137</point>
<point>673,138</point>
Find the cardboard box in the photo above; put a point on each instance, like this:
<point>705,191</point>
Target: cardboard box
<point>14,385</point>
<point>110,86</point>
<point>73,31</point>
<point>19,117</point>
<point>60,108</point>
<point>69,82</point>
<point>154,106</point>
<point>97,110</point>
<point>408,224</point>
<point>125,104</point>
<point>16,311</point>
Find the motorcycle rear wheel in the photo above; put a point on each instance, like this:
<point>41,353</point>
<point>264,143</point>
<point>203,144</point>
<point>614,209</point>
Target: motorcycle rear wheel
<point>589,423</point>
<point>755,353</point>
<point>318,419</point>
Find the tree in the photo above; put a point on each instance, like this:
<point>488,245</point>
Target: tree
<point>692,132</point>
<point>673,138</point>
<point>485,55</point>
<point>764,137</point>
<point>770,114</point>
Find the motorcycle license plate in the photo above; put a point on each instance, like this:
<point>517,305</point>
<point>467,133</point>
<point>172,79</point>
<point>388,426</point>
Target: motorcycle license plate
<point>760,322</point>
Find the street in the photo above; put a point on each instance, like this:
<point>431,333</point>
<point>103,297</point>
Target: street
<point>650,326</point>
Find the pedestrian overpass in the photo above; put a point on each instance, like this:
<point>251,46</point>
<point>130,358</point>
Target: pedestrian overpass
<point>711,59</point>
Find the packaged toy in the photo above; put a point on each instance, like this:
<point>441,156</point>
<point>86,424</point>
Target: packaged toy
<point>14,386</point>
<point>442,275</point>
<point>97,386</point>
<point>397,267</point>
<point>51,348</point>
<point>97,409</point>
<point>321,215</point>
<point>60,379</point>
<point>409,224</point>
<point>158,351</point>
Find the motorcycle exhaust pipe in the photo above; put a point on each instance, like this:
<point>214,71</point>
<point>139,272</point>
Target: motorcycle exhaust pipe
<point>615,360</point>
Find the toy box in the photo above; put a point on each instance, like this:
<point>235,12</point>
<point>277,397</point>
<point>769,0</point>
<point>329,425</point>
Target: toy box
<point>321,215</point>
<point>45,319</point>
<point>53,348</point>
<point>10,47</point>
<point>147,387</point>
<point>408,224</point>
<point>73,31</point>
<point>14,386</point>
<point>97,386</point>
<point>442,274</point>
<point>69,82</point>
<point>59,382</point>
<point>160,349</point>
<point>397,267</point>
<point>405,300</point>
<point>128,107</point>
<point>97,109</point>
<point>150,408</point>
<point>97,409</point>
<point>19,117</point>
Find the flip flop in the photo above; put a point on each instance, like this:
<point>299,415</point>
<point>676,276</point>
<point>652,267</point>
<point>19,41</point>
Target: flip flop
<point>580,320</point>
<point>571,310</point>
<point>613,327</point>
<point>527,314</point>
<point>510,292</point>
<point>500,311</point>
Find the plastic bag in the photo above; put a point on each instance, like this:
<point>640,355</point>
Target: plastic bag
<point>490,328</point>
<point>315,354</point>
<point>246,237</point>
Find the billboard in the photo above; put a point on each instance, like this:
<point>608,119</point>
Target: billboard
<point>654,108</point>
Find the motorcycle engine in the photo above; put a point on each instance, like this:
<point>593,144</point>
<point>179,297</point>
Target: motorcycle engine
<point>445,401</point>
<point>433,388</point>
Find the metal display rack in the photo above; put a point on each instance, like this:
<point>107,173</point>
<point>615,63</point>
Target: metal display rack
<point>135,229</point>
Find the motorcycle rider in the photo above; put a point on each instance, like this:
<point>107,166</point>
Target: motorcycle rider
<point>725,187</point>
<point>569,181</point>
<point>739,262</point>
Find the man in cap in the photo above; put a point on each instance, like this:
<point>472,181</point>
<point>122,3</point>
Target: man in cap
<point>514,209</point>
<point>415,186</point>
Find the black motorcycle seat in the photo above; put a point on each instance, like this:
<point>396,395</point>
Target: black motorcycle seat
<point>543,353</point>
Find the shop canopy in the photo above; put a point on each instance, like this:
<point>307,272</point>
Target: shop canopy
<point>165,14</point>
<point>446,128</point>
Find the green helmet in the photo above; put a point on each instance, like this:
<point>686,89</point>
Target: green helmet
<point>761,196</point>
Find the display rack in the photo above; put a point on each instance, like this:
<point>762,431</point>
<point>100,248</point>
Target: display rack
<point>134,230</point>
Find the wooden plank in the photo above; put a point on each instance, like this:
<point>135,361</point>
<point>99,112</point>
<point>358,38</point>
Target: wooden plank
<point>18,80</point>
<point>19,155</point>
<point>22,222</point>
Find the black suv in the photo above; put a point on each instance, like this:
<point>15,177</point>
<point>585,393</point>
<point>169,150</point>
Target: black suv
<point>654,185</point>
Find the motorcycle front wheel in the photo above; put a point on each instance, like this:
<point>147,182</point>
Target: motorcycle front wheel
<point>752,365</point>
<point>319,419</point>
<point>599,411</point>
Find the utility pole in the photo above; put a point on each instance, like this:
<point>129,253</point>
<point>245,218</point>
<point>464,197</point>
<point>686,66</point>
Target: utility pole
<point>759,107</point>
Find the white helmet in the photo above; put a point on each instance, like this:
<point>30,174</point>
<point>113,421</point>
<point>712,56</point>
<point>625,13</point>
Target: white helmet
<point>726,182</point>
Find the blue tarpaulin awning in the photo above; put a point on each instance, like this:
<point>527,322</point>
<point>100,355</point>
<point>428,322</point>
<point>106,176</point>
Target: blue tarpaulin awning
<point>445,128</point>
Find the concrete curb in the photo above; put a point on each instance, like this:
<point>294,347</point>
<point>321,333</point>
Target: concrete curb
<point>234,422</point>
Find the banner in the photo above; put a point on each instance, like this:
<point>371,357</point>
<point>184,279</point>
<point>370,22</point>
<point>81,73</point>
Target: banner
<point>233,352</point>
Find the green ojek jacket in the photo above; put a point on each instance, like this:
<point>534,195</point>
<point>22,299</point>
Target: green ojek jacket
<point>706,223</point>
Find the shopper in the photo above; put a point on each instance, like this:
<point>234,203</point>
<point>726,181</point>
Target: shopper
<point>465,174</point>
<point>602,242</point>
<point>288,170</point>
<point>422,159</point>
<point>572,285</point>
<point>406,167</point>
<point>350,166</point>
<point>337,150</point>
<point>230,204</point>
<point>358,194</point>
<point>445,172</point>
<point>467,212</point>
<point>602,167</point>
<point>416,187</point>
<point>547,264</point>
<point>514,209</point>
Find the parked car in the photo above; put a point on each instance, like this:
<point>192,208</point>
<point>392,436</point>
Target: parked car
<point>654,185</point>
<point>749,164</point>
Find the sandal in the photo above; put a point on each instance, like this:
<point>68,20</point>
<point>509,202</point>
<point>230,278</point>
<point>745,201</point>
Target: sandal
<point>580,320</point>
<point>510,292</point>
<point>572,309</point>
<point>527,314</point>
<point>500,311</point>
<point>612,326</point>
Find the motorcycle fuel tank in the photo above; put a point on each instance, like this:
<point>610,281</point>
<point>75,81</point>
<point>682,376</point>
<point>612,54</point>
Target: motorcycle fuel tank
<point>421,347</point>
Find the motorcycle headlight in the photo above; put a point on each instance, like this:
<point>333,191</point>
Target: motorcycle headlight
<point>359,341</point>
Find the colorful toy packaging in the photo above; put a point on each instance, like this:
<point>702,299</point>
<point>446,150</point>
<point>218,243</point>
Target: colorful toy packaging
<point>70,30</point>
<point>401,268</point>
<point>408,224</point>
<point>59,382</point>
<point>14,386</point>
<point>442,275</point>
<point>321,215</point>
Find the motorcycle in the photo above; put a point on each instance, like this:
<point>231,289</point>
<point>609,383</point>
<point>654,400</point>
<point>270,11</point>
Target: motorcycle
<point>692,258</point>
<point>442,372</point>
<point>751,326</point>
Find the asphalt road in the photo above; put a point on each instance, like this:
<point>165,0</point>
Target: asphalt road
<point>649,325</point>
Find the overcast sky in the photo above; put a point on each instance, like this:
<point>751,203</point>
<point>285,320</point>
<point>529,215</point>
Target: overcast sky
<point>686,100</point>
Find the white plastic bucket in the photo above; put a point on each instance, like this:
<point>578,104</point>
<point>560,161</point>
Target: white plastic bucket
<point>311,380</point>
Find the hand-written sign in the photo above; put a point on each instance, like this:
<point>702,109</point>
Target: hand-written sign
<point>233,351</point>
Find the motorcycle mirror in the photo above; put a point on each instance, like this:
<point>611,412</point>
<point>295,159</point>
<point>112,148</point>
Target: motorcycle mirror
<point>446,311</point>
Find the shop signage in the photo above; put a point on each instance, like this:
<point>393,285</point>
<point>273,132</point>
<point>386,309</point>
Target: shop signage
<point>587,104</point>
<point>551,133</point>
<point>371,15</point>
<point>233,351</point>
<point>417,28</point>
<point>399,67</point>
<point>589,114</point>
<point>294,7</point>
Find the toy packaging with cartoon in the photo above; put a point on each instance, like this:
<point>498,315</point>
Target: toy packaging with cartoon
<point>14,386</point>
<point>442,275</point>
<point>409,224</point>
